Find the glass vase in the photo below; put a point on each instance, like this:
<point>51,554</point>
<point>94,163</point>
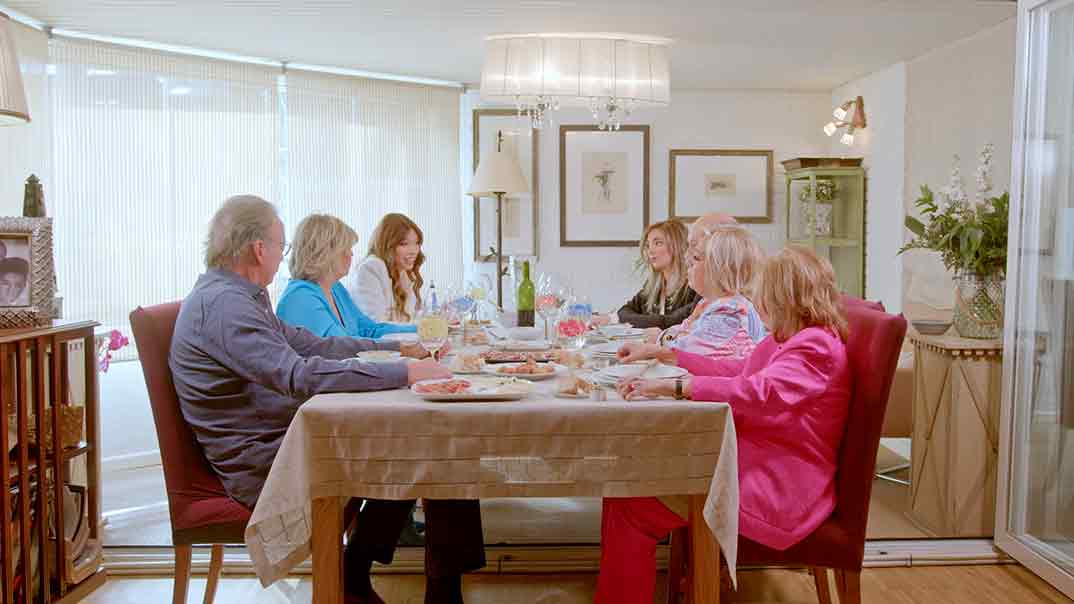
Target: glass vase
<point>979,306</point>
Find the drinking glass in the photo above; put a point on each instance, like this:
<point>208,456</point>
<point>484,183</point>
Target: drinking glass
<point>571,328</point>
<point>432,330</point>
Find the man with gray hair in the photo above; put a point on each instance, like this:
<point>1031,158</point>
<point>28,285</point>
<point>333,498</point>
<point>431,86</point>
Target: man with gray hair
<point>241,373</point>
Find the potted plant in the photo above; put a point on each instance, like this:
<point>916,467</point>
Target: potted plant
<point>971,237</point>
<point>818,216</point>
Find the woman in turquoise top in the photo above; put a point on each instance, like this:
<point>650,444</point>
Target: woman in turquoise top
<point>314,298</point>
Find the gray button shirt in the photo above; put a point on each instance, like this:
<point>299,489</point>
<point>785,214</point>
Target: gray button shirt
<point>241,374</point>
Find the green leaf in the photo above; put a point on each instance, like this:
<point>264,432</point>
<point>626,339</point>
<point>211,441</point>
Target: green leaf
<point>916,226</point>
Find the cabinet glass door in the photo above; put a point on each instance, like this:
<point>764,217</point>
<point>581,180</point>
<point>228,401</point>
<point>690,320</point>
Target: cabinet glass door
<point>1035,511</point>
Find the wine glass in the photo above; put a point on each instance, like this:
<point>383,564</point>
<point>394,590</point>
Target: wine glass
<point>550,299</point>
<point>432,330</point>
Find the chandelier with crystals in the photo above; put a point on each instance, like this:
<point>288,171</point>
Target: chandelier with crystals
<point>611,74</point>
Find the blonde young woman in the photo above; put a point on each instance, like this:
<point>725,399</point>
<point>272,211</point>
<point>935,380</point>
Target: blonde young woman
<point>386,284</point>
<point>724,323</point>
<point>789,399</point>
<point>666,299</point>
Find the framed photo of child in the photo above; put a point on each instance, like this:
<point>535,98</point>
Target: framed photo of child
<point>27,273</point>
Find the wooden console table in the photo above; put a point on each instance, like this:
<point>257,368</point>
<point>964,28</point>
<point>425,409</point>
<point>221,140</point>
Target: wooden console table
<point>955,447</point>
<point>35,382</point>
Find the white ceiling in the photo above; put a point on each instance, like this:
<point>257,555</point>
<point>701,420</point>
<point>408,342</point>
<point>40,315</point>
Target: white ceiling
<point>785,44</point>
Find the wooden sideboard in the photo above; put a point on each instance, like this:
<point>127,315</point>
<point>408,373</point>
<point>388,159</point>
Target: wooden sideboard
<point>36,382</point>
<point>955,447</point>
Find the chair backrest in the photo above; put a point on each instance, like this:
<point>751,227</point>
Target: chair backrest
<point>188,477</point>
<point>873,352</point>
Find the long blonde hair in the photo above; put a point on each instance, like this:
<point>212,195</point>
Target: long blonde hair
<point>655,286</point>
<point>391,232</point>
<point>320,241</point>
<point>796,290</point>
<point>732,259</point>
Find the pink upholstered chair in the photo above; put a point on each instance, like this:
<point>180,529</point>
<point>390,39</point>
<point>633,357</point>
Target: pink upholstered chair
<point>839,544</point>
<point>201,511</point>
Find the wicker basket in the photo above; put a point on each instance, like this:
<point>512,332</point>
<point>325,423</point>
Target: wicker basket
<point>71,420</point>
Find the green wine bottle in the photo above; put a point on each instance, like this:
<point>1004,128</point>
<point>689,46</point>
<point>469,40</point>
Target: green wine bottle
<point>525,297</point>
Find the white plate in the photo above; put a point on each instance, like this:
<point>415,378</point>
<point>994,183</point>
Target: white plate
<point>618,372</point>
<point>481,389</point>
<point>610,349</point>
<point>519,346</point>
<point>495,370</point>
<point>621,331</point>
<point>525,333</point>
<point>400,337</point>
<point>380,356</point>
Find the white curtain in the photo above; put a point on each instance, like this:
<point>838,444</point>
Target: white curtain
<point>147,144</point>
<point>361,148</point>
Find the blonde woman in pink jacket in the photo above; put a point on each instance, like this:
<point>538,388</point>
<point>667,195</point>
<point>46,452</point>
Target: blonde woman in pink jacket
<point>789,400</point>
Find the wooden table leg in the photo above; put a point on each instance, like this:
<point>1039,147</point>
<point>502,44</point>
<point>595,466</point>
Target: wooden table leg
<point>704,557</point>
<point>327,550</point>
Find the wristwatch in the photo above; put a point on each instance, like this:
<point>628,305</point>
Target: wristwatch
<point>678,390</point>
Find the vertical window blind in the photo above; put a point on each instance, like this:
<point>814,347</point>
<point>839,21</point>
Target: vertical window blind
<point>146,145</point>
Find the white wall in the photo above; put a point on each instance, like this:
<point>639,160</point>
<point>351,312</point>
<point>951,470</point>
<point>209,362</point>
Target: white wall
<point>958,98</point>
<point>881,144</point>
<point>786,122</point>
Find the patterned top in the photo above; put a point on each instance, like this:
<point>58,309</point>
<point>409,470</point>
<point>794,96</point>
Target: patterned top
<point>721,328</point>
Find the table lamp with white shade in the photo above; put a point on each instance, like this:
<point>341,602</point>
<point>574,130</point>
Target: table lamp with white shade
<point>498,174</point>
<point>13,107</point>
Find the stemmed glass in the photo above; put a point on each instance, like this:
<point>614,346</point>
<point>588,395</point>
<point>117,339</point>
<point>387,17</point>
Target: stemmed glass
<point>550,299</point>
<point>432,330</point>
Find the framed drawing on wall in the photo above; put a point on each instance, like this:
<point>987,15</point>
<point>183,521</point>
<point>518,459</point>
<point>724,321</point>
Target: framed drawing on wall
<point>732,181</point>
<point>603,186</point>
<point>27,273</point>
<point>520,212</point>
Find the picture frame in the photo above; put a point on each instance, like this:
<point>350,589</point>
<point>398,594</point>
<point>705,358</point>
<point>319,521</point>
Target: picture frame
<point>734,181</point>
<point>27,272</point>
<point>518,240</point>
<point>603,185</point>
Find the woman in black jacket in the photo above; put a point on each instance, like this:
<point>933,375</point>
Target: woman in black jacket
<point>665,299</point>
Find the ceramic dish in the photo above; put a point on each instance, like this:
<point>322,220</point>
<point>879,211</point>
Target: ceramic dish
<point>473,389</point>
<point>380,356</point>
<point>499,370</point>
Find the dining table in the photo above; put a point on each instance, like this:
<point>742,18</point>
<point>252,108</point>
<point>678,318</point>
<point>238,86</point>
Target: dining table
<point>393,444</point>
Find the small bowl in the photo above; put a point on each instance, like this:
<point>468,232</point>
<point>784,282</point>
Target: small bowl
<point>931,328</point>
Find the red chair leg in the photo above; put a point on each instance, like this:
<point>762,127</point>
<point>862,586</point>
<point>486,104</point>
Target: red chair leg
<point>849,584</point>
<point>183,554</point>
<point>216,562</point>
<point>677,564</point>
<point>820,578</point>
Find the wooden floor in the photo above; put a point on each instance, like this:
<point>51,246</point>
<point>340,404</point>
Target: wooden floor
<point>994,584</point>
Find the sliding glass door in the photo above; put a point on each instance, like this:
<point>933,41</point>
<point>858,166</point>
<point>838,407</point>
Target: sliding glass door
<point>1035,514</point>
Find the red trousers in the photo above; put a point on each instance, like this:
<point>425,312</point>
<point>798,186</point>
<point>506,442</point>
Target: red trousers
<point>630,528</point>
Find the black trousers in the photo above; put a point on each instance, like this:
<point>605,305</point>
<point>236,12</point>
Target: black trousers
<point>454,543</point>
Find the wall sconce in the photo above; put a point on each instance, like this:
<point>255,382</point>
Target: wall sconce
<point>855,110</point>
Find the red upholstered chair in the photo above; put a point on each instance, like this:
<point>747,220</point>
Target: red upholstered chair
<point>201,511</point>
<point>839,543</point>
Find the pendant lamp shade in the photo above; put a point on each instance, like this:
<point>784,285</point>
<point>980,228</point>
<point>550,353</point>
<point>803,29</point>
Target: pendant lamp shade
<point>13,108</point>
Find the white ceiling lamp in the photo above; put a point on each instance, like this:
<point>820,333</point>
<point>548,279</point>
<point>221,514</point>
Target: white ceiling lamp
<point>611,74</point>
<point>13,108</point>
<point>841,113</point>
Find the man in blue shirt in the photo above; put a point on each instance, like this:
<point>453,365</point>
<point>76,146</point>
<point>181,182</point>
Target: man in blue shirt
<point>241,374</point>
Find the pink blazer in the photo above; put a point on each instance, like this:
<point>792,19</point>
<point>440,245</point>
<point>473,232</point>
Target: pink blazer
<point>789,401</point>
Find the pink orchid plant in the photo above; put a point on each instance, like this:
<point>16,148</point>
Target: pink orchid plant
<point>106,345</point>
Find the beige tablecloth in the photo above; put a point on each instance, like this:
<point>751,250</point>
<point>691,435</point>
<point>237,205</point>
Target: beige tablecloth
<point>393,445</point>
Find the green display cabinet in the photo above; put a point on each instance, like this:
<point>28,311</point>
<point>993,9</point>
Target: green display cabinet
<point>826,212</point>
